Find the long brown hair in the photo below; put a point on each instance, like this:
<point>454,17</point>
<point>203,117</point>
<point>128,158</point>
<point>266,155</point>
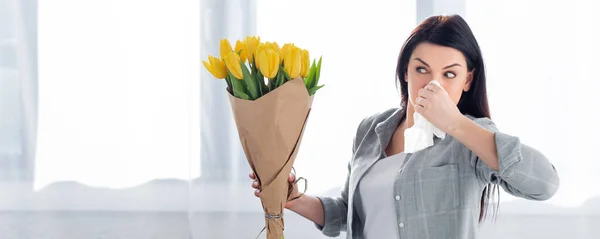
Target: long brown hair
<point>452,31</point>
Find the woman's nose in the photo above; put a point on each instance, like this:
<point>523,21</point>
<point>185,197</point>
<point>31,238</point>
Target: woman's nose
<point>432,80</point>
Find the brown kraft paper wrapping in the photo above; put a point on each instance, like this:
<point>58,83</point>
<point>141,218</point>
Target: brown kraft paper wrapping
<point>270,129</point>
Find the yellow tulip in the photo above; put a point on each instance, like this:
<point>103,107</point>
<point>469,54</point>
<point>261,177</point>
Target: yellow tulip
<point>251,43</point>
<point>273,45</point>
<point>240,49</point>
<point>225,48</point>
<point>286,50</point>
<point>260,48</point>
<point>268,62</point>
<point>305,69</point>
<point>292,64</point>
<point>216,67</point>
<point>233,63</point>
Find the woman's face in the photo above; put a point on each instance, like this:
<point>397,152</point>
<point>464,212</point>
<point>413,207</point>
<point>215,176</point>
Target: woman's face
<point>434,62</point>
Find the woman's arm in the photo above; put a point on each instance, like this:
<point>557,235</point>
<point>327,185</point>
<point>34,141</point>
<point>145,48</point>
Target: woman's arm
<point>500,158</point>
<point>496,157</point>
<point>478,139</point>
<point>309,207</point>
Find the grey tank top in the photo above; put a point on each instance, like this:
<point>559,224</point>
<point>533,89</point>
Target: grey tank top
<point>376,198</point>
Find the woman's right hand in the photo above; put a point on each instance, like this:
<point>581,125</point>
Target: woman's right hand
<point>307,206</point>
<point>291,179</point>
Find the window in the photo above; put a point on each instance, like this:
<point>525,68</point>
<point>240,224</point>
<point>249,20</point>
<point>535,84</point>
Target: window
<point>540,59</point>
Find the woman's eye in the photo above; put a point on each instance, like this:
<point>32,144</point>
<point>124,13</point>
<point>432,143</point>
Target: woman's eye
<point>450,74</point>
<point>421,70</point>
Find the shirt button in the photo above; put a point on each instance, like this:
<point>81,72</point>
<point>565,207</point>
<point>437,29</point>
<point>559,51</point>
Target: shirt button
<point>401,224</point>
<point>400,170</point>
<point>397,197</point>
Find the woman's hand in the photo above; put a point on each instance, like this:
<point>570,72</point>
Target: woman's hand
<point>434,104</point>
<point>291,179</point>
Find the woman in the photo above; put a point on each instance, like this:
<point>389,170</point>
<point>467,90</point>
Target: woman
<point>441,191</point>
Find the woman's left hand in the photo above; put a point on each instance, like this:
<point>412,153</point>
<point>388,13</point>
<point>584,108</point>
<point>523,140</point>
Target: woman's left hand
<point>435,105</point>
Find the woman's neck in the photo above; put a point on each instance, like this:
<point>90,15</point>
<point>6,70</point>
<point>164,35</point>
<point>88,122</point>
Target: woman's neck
<point>409,120</point>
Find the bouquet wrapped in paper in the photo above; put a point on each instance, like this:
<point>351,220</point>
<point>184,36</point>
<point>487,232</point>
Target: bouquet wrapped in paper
<point>271,91</point>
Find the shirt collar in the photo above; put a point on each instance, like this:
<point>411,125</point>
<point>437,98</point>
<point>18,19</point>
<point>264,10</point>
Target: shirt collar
<point>386,128</point>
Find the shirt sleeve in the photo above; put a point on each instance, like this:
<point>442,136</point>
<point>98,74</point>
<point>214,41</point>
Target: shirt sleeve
<point>523,171</point>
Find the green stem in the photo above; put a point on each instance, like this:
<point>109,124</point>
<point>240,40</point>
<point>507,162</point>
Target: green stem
<point>228,81</point>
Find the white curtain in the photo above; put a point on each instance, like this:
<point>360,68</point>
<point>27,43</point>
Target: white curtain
<point>118,124</point>
<point>541,58</point>
<point>18,99</point>
<point>118,91</point>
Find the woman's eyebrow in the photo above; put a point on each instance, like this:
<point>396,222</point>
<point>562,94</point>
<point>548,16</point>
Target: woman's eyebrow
<point>455,64</point>
<point>422,61</point>
<point>425,63</point>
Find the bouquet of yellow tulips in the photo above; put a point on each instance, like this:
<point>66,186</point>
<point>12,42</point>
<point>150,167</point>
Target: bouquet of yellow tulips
<point>271,91</point>
<point>266,61</point>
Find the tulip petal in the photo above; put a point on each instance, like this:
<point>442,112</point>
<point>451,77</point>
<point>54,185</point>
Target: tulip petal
<point>209,68</point>
<point>264,64</point>
<point>259,48</point>
<point>297,61</point>
<point>216,67</point>
<point>240,49</point>
<point>251,43</point>
<point>219,68</point>
<point>305,64</point>
<point>288,63</point>
<point>274,64</point>
<point>232,61</point>
<point>225,48</point>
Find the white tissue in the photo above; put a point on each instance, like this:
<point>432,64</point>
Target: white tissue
<point>420,135</point>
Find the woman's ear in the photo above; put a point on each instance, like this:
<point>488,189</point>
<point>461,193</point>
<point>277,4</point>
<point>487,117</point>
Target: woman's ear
<point>406,76</point>
<point>467,86</point>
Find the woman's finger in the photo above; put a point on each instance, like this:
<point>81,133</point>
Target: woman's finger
<point>422,102</point>
<point>255,185</point>
<point>424,93</point>
<point>291,177</point>
<point>251,175</point>
<point>257,192</point>
<point>419,108</point>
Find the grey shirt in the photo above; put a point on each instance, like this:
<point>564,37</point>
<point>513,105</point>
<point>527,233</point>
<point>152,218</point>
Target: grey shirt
<point>376,198</point>
<point>440,187</point>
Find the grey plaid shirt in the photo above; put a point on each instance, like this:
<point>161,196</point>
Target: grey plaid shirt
<point>438,193</point>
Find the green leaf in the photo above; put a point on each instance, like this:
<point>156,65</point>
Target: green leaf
<point>278,79</point>
<point>260,80</point>
<point>226,79</point>
<point>317,74</point>
<point>253,88</point>
<point>244,96</point>
<point>239,88</point>
<point>284,76</point>
<point>287,77</point>
<point>252,68</point>
<point>311,76</point>
<point>313,90</point>
<point>271,82</point>
<point>275,82</point>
